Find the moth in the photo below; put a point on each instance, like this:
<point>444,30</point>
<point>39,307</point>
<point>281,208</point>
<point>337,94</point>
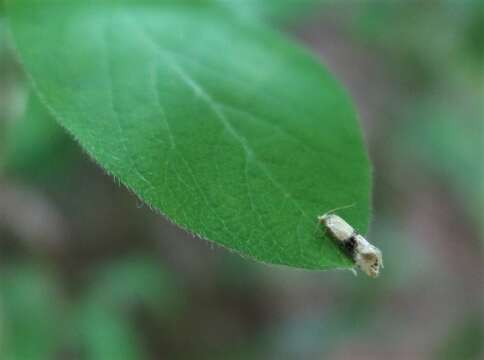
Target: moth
<point>366,256</point>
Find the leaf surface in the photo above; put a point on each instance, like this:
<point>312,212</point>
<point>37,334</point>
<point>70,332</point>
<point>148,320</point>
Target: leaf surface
<point>228,129</point>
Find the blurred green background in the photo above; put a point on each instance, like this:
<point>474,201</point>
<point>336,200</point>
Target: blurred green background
<point>88,272</point>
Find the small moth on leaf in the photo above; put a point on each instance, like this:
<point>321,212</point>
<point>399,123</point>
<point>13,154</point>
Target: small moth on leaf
<point>366,256</point>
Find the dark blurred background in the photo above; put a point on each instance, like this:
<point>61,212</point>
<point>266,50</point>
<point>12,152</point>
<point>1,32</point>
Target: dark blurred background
<point>88,272</point>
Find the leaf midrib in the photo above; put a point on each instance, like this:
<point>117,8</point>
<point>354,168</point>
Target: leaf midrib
<point>212,105</point>
<point>203,94</point>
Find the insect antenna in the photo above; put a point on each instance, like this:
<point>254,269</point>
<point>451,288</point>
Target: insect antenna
<point>339,208</point>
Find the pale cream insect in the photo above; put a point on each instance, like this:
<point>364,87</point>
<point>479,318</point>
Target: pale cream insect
<point>366,256</point>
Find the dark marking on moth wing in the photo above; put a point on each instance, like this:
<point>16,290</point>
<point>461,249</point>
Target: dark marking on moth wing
<point>375,265</point>
<point>349,246</point>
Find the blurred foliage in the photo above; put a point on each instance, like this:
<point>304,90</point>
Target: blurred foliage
<point>12,91</point>
<point>108,309</point>
<point>31,312</point>
<point>464,341</point>
<point>438,44</point>
<point>103,334</point>
<point>282,11</point>
<point>438,47</point>
<point>454,135</point>
<point>134,281</point>
<point>39,319</point>
<point>36,146</point>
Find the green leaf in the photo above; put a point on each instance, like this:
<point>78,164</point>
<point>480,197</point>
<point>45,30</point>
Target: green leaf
<point>231,131</point>
<point>35,139</point>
